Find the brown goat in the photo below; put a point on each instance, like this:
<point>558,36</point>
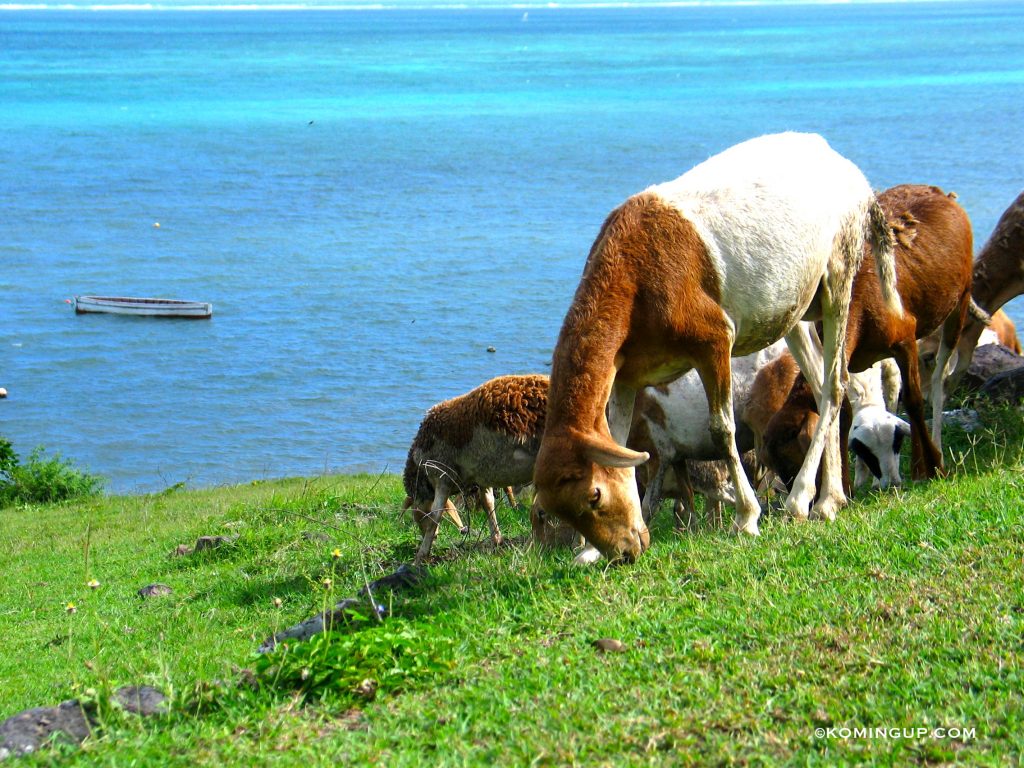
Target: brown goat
<point>487,437</point>
<point>768,393</point>
<point>998,277</point>
<point>933,276</point>
<point>720,262</point>
<point>933,268</point>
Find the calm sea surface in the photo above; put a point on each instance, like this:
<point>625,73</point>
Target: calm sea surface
<point>371,199</point>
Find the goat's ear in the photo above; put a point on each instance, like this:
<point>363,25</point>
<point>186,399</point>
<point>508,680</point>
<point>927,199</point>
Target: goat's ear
<point>903,427</point>
<point>607,453</point>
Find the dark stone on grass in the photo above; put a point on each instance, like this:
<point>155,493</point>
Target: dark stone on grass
<point>315,536</point>
<point>989,360</point>
<point>213,542</point>
<point>1006,387</point>
<point>142,700</point>
<point>609,645</point>
<point>29,730</point>
<point>155,590</point>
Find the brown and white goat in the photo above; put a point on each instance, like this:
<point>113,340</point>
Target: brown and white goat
<point>1001,331</point>
<point>487,437</point>
<point>722,261</point>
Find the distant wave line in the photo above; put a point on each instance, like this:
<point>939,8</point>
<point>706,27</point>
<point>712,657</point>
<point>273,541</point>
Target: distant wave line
<point>420,6</point>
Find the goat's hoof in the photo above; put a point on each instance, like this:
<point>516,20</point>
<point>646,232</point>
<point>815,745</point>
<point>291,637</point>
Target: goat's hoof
<point>746,529</point>
<point>826,510</point>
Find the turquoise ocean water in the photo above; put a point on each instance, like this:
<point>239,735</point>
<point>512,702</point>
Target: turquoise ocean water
<point>372,199</point>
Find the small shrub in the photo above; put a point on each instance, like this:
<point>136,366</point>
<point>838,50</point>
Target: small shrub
<point>392,656</point>
<point>41,480</point>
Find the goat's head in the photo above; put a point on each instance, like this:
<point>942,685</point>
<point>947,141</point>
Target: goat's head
<point>786,440</point>
<point>876,437</point>
<point>589,482</point>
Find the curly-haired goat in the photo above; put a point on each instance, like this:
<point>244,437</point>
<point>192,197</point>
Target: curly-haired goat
<point>487,437</point>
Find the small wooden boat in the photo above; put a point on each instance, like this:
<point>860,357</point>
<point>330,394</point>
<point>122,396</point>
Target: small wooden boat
<point>127,305</point>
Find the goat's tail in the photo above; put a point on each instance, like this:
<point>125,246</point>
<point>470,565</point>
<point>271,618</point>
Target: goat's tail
<point>978,313</point>
<point>882,247</point>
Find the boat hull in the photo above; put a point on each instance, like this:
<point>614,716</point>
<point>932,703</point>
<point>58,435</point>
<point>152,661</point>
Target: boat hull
<point>127,305</point>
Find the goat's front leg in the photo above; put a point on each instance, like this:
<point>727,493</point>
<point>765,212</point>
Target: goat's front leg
<point>432,520</point>
<point>687,503</point>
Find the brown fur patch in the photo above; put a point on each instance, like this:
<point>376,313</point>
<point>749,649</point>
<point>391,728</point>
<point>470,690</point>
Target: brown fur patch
<point>933,253</point>
<point>999,270</point>
<point>768,393</point>
<point>648,298</point>
<point>1006,331</point>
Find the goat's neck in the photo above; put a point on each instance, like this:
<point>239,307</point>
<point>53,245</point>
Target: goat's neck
<point>998,272</point>
<point>587,357</point>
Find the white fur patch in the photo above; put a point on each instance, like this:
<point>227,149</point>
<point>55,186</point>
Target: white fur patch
<point>768,211</point>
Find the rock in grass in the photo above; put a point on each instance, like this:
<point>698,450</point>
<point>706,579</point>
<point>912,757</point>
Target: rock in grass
<point>212,542</point>
<point>155,590</point>
<point>1006,387</point>
<point>142,700</point>
<point>609,645</point>
<point>367,689</point>
<point>404,577</point>
<point>181,550</point>
<point>27,731</point>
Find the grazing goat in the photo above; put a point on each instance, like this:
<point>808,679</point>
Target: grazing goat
<point>876,432</point>
<point>933,273</point>
<point>933,269</point>
<point>672,423</point>
<point>487,437</point>
<point>722,261</point>
<point>998,277</point>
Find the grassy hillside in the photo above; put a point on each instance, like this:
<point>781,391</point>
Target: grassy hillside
<point>906,613</point>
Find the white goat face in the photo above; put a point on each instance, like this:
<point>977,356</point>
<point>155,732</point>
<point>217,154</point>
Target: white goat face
<point>876,437</point>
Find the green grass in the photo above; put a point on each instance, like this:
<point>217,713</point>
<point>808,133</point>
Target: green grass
<point>907,612</point>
